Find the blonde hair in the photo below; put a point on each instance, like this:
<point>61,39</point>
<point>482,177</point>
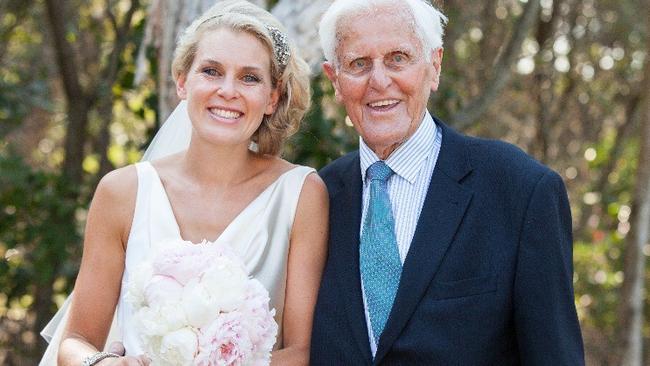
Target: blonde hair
<point>291,80</point>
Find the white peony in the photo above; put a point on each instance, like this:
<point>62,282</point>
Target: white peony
<point>138,281</point>
<point>198,304</point>
<point>226,281</point>
<point>163,289</point>
<point>178,348</point>
<point>160,319</point>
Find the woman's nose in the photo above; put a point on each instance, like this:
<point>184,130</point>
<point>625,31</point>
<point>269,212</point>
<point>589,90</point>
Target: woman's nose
<point>227,88</point>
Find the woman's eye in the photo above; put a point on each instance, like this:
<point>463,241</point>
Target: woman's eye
<point>251,79</point>
<point>210,71</point>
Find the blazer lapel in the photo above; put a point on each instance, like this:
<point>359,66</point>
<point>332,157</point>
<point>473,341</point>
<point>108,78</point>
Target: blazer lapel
<point>442,213</point>
<point>345,223</point>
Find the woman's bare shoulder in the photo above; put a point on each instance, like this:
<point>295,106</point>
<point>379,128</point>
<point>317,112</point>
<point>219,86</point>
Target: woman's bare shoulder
<point>314,189</point>
<point>116,193</point>
<point>113,204</point>
<point>121,182</point>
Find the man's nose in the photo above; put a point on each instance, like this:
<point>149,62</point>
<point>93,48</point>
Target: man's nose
<point>227,88</point>
<point>379,77</point>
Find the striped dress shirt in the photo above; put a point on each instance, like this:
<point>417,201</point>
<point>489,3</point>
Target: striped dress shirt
<point>413,164</point>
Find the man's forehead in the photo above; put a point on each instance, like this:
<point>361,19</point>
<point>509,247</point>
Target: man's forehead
<point>382,33</point>
<point>380,48</point>
<point>394,13</point>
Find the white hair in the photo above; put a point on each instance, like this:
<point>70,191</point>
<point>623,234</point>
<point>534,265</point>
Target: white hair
<point>428,22</point>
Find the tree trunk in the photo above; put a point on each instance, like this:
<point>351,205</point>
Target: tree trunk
<point>104,139</point>
<point>543,91</point>
<point>633,298</point>
<point>77,104</point>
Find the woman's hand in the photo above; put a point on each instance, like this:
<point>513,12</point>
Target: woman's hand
<point>118,349</point>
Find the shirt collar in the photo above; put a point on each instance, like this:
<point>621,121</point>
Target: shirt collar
<point>408,159</point>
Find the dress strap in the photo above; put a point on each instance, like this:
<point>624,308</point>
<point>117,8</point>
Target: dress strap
<point>153,212</point>
<point>292,188</point>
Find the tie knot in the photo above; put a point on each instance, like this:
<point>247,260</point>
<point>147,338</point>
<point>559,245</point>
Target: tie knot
<point>379,171</point>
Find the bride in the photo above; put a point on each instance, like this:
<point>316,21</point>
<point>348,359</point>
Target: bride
<point>245,91</point>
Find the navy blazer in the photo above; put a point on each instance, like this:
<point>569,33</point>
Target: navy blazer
<point>487,279</point>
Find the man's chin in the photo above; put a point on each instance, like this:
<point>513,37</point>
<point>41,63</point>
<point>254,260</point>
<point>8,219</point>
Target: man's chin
<point>384,147</point>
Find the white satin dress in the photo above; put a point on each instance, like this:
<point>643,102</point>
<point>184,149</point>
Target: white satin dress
<point>259,234</point>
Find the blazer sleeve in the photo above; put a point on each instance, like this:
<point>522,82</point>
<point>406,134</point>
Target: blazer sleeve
<point>545,317</point>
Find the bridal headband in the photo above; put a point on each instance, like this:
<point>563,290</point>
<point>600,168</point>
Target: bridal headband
<point>281,45</point>
<point>281,49</point>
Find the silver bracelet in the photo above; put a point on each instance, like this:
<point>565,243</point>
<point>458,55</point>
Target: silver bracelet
<point>93,359</point>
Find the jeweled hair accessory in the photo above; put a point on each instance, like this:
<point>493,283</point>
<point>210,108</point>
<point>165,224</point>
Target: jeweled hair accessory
<point>280,45</point>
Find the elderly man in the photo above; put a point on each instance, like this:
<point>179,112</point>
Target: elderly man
<point>444,249</point>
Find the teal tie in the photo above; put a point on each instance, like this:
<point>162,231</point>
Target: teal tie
<point>380,264</point>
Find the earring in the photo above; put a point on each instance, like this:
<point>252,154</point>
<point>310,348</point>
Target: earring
<point>252,146</point>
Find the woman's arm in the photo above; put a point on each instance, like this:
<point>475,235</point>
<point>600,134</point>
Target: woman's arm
<point>97,288</point>
<point>307,253</point>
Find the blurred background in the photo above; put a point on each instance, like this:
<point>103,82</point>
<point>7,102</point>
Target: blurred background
<point>84,85</point>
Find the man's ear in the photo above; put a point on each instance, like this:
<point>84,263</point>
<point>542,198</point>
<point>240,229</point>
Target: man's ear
<point>330,72</point>
<point>436,62</point>
<point>180,86</point>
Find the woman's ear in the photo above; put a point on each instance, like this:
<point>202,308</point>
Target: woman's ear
<point>273,101</point>
<point>180,86</point>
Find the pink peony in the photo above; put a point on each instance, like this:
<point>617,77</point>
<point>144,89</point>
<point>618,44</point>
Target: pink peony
<point>184,260</point>
<point>225,341</point>
<point>163,289</point>
<point>260,323</point>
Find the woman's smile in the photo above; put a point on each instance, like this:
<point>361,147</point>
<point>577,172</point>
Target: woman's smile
<point>229,115</point>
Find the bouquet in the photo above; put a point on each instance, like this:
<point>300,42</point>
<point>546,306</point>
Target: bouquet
<point>194,304</point>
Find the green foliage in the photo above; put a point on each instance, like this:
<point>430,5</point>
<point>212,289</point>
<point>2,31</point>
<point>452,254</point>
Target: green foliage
<point>15,102</point>
<point>21,88</point>
<point>598,267</point>
<point>38,232</point>
<point>322,138</point>
<point>599,248</point>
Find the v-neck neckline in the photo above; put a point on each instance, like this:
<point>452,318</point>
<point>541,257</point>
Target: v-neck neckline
<point>230,224</point>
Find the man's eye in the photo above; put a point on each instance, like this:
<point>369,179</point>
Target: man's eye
<point>398,58</point>
<point>359,65</point>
